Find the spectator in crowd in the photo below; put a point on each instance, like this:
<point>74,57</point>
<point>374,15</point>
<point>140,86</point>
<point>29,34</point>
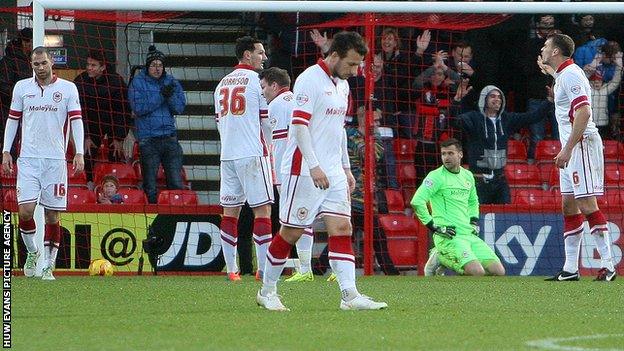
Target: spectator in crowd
<point>155,97</point>
<point>392,118</point>
<point>487,132</point>
<point>109,191</point>
<point>398,64</point>
<point>454,218</point>
<point>600,92</point>
<point>587,39</point>
<point>536,82</point>
<point>14,66</point>
<point>103,97</point>
<point>432,113</point>
<point>355,146</point>
<point>605,64</point>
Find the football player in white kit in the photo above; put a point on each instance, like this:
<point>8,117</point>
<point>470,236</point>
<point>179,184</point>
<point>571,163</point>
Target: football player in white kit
<point>580,160</point>
<point>245,131</point>
<point>275,84</point>
<point>316,173</point>
<point>45,105</point>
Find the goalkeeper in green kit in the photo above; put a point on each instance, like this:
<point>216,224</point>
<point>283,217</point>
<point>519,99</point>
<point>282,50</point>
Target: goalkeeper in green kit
<point>454,218</point>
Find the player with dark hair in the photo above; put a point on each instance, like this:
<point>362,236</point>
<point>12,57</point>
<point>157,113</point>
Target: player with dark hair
<point>245,130</point>
<point>317,176</point>
<point>581,159</point>
<point>454,217</point>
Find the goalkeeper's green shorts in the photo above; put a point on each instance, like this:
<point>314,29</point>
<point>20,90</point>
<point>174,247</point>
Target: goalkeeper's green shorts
<point>455,253</point>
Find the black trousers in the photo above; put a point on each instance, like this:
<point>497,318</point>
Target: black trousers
<point>495,191</point>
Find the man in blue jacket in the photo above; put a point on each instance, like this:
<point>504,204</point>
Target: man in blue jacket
<point>155,97</point>
<point>487,132</point>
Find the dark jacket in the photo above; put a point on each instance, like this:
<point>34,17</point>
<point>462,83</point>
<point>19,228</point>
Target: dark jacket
<point>14,66</point>
<point>487,141</point>
<point>153,112</point>
<point>105,108</point>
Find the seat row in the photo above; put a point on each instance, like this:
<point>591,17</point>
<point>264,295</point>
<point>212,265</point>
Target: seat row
<point>131,196</point>
<point>127,174</point>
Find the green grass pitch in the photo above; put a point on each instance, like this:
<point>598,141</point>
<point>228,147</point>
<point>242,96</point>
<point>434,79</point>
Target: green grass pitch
<point>208,313</point>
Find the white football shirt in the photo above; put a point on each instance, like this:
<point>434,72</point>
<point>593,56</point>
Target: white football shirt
<point>239,106</point>
<point>280,110</point>
<point>321,102</point>
<point>45,114</point>
<point>571,90</point>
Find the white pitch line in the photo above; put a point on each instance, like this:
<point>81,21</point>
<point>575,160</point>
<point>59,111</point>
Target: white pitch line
<point>553,343</point>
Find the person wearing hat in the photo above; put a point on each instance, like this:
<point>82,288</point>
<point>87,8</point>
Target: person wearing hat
<point>155,97</point>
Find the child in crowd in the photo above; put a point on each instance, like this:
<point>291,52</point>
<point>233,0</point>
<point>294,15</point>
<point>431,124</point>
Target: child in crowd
<point>108,194</point>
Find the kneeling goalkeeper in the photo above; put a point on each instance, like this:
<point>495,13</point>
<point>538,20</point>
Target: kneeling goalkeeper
<point>454,218</point>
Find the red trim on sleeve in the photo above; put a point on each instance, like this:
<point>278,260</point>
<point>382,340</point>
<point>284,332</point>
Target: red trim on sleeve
<point>301,114</point>
<point>15,113</point>
<point>264,113</point>
<point>74,115</point>
<point>578,102</point>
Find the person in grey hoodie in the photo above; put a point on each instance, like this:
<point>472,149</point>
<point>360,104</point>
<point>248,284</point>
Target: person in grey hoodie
<point>487,132</point>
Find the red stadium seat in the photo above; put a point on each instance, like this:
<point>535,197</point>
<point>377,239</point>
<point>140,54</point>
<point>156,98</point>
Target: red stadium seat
<point>80,196</point>
<point>546,150</point>
<point>177,197</point>
<point>9,195</point>
<point>545,169</point>
<point>553,178</point>
<point>75,179</point>
<point>394,200</point>
<point>614,175</point>
<point>613,151</point>
<point>522,175</point>
<point>11,179</point>
<point>401,238</point>
<point>408,194</point>
<point>534,197</point>
<point>132,196</point>
<point>124,172</point>
<point>405,149</point>
<point>614,198</point>
<point>516,152</point>
<point>406,172</point>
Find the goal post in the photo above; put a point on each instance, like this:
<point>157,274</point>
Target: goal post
<point>137,48</point>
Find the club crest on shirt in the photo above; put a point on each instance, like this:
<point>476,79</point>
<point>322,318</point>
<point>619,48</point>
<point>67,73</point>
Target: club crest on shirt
<point>428,183</point>
<point>328,93</point>
<point>575,89</point>
<point>57,96</point>
<point>302,213</point>
<point>302,99</point>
